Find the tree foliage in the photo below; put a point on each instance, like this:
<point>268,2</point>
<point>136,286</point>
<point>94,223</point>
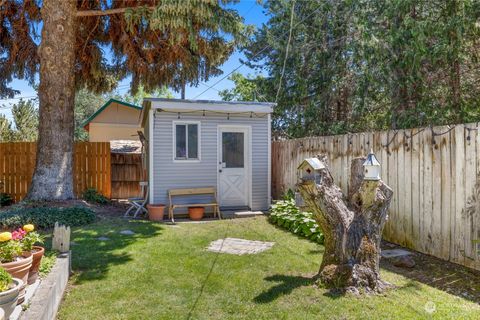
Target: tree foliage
<point>157,43</point>
<point>369,65</point>
<point>24,126</point>
<point>245,89</point>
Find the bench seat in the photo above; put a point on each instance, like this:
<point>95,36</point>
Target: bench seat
<point>189,192</point>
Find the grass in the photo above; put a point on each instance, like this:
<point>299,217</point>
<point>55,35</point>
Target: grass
<point>163,272</point>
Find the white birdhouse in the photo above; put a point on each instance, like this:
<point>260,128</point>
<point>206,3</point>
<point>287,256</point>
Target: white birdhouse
<point>371,167</point>
<point>309,170</point>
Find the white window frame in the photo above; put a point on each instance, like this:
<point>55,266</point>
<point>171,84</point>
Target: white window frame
<point>174,146</point>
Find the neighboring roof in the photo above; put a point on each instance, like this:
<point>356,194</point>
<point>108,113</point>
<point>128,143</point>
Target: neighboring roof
<point>109,102</point>
<point>125,146</point>
<point>315,163</point>
<point>186,105</point>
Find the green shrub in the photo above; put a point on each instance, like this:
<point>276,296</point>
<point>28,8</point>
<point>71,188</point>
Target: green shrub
<point>286,215</point>
<point>44,218</point>
<point>5,280</point>
<point>5,199</point>
<point>92,195</point>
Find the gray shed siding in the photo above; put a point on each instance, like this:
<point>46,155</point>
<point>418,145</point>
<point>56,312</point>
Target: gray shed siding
<point>168,174</point>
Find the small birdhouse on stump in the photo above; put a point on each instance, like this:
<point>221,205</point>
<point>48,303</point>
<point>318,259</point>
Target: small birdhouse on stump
<point>309,170</point>
<point>371,167</point>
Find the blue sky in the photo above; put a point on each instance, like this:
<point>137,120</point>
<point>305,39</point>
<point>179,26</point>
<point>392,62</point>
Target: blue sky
<point>250,10</point>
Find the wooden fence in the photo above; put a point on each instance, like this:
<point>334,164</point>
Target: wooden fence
<point>91,167</point>
<point>435,175</point>
<point>127,172</point>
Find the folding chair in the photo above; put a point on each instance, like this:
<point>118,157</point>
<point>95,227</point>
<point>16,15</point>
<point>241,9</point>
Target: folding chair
<point>140,202</point>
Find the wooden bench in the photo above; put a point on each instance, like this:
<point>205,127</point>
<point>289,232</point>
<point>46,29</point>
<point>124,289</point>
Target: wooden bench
<point>193,192</point>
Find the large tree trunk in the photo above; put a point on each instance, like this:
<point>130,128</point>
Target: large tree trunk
<point>352,228</point>
<point>53,179</point>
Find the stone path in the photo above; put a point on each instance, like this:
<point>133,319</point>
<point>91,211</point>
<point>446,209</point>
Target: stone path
<point>239,246</point>
<point>127,232</point>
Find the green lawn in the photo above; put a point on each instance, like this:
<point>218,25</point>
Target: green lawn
<point>164,272</point>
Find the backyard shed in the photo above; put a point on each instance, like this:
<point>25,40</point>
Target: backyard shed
<point>115,120</point>
<point>200,143</point>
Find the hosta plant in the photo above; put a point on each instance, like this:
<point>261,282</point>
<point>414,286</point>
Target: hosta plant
<point>285,214</point>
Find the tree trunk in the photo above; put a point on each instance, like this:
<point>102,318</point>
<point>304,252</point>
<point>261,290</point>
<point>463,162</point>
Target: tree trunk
<point>53,179</point>
<point>352,228</point>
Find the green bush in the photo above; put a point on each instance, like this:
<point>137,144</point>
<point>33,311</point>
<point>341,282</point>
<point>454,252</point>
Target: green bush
<point>285,214</point>
<point>92,195</point>
<point>5,280</point>
<point>5,199</point>
<point>44,218</point>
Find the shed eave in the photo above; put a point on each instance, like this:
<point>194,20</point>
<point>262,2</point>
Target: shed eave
<point>181,105</point>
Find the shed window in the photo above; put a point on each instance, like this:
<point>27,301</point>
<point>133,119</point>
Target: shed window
<point>186,141</point>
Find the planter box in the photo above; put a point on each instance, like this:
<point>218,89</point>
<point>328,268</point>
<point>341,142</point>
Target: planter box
<point>44,304</point>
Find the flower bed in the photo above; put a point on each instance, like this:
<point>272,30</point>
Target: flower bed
<point>285,214</point>
<point>19,265</point>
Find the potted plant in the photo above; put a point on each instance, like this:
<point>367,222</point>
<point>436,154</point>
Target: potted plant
<point>29,240</point>
<point>13,259</point>
<point>155,212</point>
<point>9,291</point>
<point>196,213</point>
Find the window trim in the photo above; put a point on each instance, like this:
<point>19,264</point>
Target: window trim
<point>174,139</point>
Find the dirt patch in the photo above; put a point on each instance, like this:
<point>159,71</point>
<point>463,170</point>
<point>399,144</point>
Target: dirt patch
<point>443,275</point>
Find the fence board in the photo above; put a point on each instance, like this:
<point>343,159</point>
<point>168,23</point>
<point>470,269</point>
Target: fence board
<point>436,203</point>
<point>17,163</point>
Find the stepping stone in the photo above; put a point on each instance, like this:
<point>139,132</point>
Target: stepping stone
<point>394,253</point>
<point>103,238</point>
<point>247,214</point>
<point>239,246</point>
<point>127,232</point>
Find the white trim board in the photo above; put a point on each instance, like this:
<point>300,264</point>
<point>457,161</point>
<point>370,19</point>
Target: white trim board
<point>199,140</point>
<point>150,156</point>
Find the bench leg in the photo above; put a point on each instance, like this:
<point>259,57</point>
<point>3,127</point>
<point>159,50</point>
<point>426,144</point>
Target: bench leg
<point>171,215</point>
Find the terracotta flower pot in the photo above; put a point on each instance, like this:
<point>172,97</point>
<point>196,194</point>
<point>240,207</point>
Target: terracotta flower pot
<point>155,212</point>
<point>9,298</point>
<point>19,269</point>
<point>37,253</point>
<point>196,213</point>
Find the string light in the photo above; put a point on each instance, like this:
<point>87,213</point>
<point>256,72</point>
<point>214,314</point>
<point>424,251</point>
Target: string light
<point>204,113</point>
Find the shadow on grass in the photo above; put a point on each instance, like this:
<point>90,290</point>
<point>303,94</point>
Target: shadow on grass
<point>92,258</point>
<point>285,286</point>
<point>439,274</point>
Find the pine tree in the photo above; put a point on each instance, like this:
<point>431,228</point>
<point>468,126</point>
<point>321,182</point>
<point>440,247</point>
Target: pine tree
<point>156,43</point>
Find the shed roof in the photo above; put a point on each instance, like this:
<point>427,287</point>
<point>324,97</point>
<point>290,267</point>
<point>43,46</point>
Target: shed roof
<point>315,163</point>
<point>210,105</point>
<point>109,102</point>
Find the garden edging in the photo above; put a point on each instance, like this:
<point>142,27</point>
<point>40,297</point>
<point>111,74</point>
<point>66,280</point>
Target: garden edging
<point>44,305</point>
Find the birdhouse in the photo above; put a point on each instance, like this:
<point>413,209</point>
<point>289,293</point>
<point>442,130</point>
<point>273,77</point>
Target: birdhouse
<point>310,170</point>
<point>371,167</point>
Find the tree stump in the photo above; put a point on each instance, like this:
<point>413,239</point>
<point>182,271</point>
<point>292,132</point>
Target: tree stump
<point>352,227</point>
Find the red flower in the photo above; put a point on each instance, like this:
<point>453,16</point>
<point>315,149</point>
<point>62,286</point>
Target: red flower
<point>18,234</point>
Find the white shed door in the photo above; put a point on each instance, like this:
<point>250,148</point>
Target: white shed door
<point>233,167</point>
